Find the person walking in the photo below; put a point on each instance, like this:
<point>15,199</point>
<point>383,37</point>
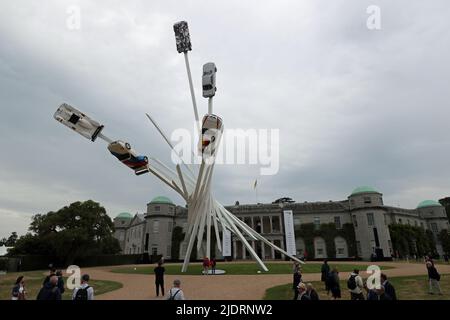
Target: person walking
<point>356,285</point>
<point>334,285</point>
<point>446,258</point>
<point>311,292</point>
<point>387,290</point>
<point>325,270</point>
<point>85,291</point>
<point>51,273</point>
<point>50,290</point>
<point>433,278</point>
<point>60,281</point>
<point>213,266</point>
<point>159,278</point>
<point>297,279</point>
<point>302,292</point>
<point>175,293</point>
<point>18,291</point>
<point>206,265</point>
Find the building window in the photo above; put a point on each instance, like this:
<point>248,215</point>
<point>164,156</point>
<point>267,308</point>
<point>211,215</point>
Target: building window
<point>317,223</point>
<point>367,200</point>
<point>319,251</point>
<point>154,250</point>
<point>337,222</point>
<point>168,254</point>
<point>415,223</point>
<point>409,222</point>
<point>355,221</point>
<point>156,226</point>
<point>157,208</point>
<point>358,248</point>
<point>400,220</point>
<point>421,225</point>
<point>370,219</point>
<point>340,251</point>
<point>276,228</point>
<point>434,227</point>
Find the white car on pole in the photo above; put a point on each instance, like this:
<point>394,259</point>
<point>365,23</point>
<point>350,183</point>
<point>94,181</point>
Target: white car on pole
<point>209,80</point>
<point>78,121</point>
<point>123,151</point>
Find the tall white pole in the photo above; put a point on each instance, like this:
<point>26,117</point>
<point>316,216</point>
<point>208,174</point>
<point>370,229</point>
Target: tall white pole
<point>191,87</point>
<point>210,105</point>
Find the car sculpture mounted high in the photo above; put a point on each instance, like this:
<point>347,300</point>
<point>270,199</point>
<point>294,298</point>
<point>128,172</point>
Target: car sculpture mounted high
<point>123,151</point>
<point>78,121</point>
<point>209,80</point>
<point>212,128</point>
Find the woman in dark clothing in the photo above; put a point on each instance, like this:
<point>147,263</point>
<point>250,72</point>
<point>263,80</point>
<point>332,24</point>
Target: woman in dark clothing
<point>334,285</point>
<point>325,270</point>
<point>296,281</point>
<point>159,278</point>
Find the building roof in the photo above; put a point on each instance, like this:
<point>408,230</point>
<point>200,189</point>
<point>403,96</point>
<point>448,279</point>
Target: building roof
<point>364,189</point>
<point>125,215</point>
<point>161,199</point>
<point>428,203</point>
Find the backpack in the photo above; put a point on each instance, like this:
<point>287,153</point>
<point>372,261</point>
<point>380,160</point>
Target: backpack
<point>172,297</point>
<point>82,294</point>
<point>351,282</point>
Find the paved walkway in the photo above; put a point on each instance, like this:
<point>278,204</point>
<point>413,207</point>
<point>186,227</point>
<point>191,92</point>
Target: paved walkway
<point>227,287</point>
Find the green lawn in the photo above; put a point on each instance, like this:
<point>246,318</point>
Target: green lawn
<point>239,268</point>
<point>33,283</point>
<point>407,288</point>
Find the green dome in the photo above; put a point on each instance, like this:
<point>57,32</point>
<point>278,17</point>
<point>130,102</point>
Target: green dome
<point>161,199</point>
<point>429,203</point>
<point>363,189</point>
<point>125,215</point>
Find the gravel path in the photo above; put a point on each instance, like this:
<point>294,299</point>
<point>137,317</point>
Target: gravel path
<point>226,287</point>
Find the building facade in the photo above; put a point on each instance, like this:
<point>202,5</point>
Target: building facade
<point>363,215</point>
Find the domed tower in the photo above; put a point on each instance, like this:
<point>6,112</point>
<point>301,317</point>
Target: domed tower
<point>436,219</point>
<point>158,235</point>
<point>121,224</point>
<point>368,217</point>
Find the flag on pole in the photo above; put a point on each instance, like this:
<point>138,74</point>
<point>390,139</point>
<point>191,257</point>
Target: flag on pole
<point>255,184</point>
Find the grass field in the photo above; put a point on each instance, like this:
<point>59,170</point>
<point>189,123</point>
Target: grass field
<point>407,288</point>
<point>239,268</point>
<point>33,283</point>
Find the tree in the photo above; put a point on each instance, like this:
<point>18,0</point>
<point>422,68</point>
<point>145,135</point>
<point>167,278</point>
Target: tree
<point>78,230</point>
<point>10,241</point>
<point>444,238</point>
<point>446,203</point>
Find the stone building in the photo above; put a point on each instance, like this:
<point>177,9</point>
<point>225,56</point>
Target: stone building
<point>363,213</point>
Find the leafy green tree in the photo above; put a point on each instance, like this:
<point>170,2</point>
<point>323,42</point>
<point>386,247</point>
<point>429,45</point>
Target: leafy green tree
<point>444,238</point>
<point>78,230</point>
<point>446,203</point>
<point>10,241</point>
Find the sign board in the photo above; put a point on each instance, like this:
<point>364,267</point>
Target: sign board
<point>289,232</point>
<point>226,243</point>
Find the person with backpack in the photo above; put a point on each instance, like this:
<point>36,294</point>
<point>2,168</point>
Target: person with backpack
<point>159,278</point>
<point>85,291</point>
<point>433,278</point>
<point>52,272</point>
<point>175,293</point>
<point>50,290</point>
<point>18,291</point>
<point>356,285</point>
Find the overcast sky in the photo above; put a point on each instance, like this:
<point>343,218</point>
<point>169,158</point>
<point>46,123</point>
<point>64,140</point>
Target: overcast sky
<point>354,106</point>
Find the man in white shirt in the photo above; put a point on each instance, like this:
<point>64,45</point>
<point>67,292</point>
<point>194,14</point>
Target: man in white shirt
<point>356,285</point>
<point>84,292</point>
<point>175,293</point>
